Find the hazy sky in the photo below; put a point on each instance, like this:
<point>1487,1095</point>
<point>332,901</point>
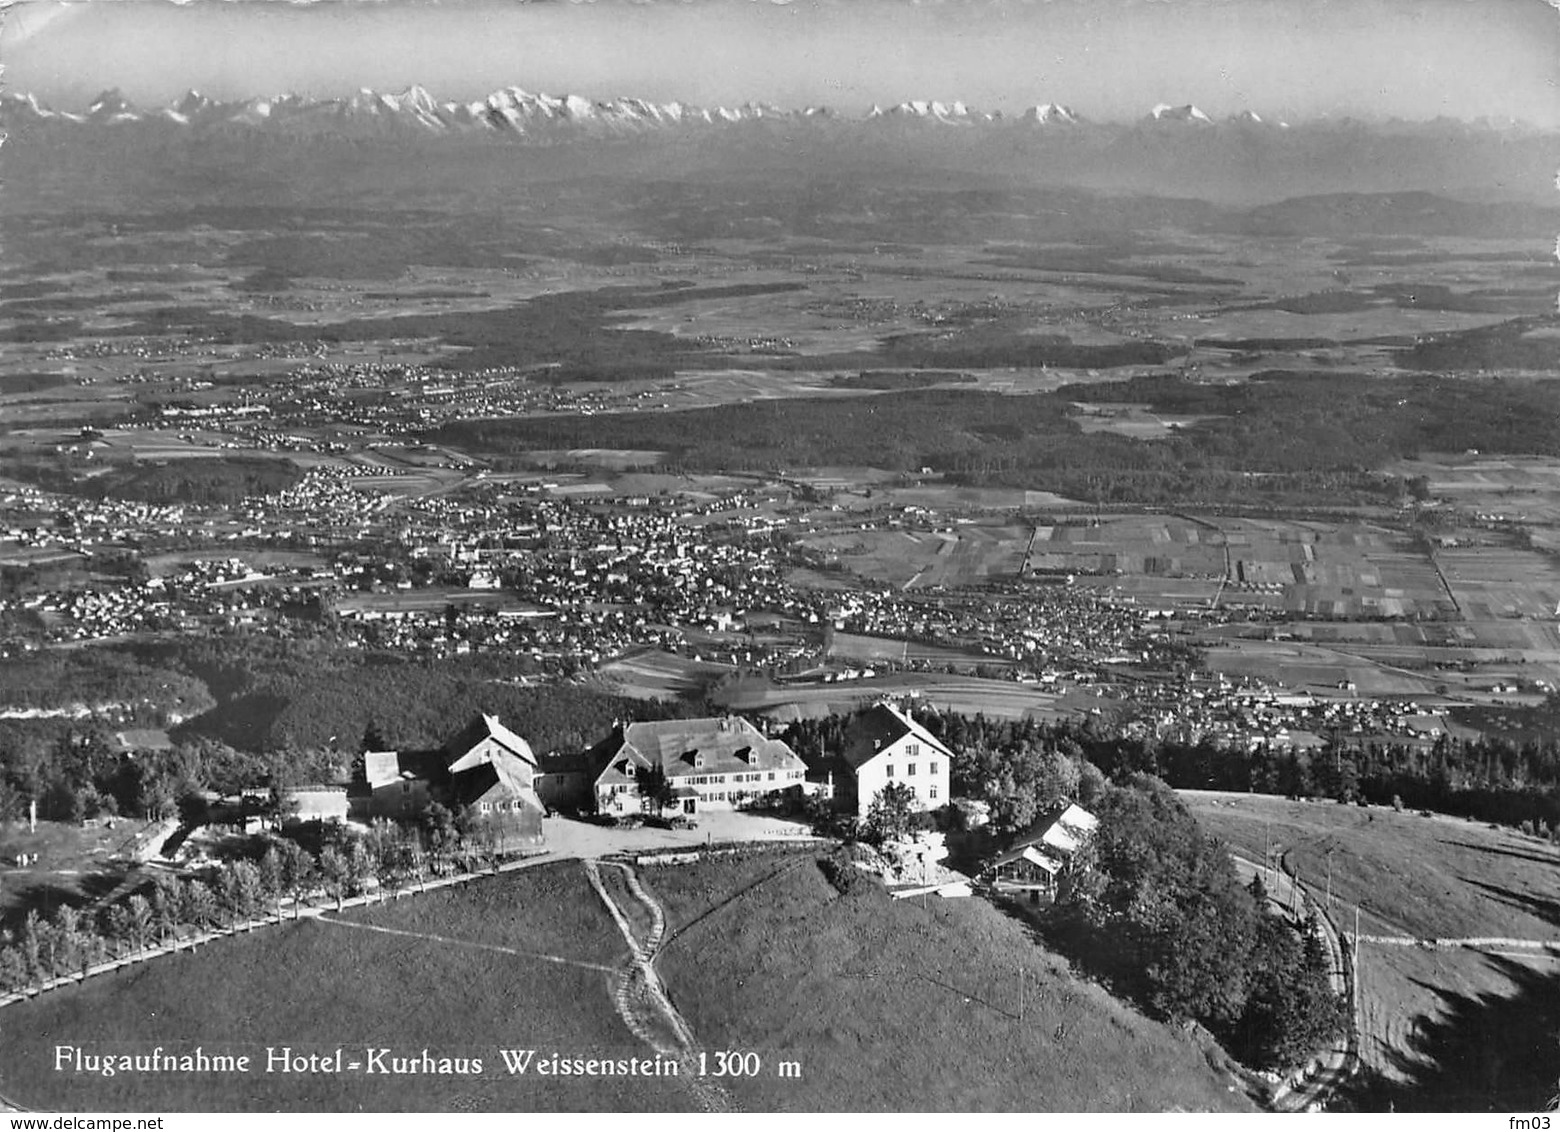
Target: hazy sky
<point>1109,59</point>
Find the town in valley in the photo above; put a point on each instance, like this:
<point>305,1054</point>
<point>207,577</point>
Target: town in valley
<point>713,593</point>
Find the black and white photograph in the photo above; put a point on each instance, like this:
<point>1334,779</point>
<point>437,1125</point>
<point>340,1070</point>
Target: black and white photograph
<point>779,556</point>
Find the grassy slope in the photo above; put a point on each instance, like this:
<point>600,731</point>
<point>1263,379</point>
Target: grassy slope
<point>1424,876</point>
<point>1452,1030</point>
<point>894,1006</point>
<point>885,1005</point>
<point>315,987</point>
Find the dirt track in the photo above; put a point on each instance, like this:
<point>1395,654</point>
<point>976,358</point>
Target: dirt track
<point>640,997</point>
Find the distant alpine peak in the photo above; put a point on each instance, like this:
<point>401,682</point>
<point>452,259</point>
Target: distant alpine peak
<point>514,111</point>
<point>931,110</point>
<point>1049,112</point>
<point>111,106</point>
<point>1164,112</point>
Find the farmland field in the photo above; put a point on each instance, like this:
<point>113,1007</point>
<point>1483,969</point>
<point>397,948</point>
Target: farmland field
<point>1456,1028</point>
<point>1493,583</point>
<point>967,695</point>
<point>871,650</point>
<point>654,674</point>
<point>962,555</point>
<point>1522,488</point>
<point>1309,666</point>
<point>1155,546</point>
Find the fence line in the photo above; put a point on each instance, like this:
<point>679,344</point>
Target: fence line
<point>298,911</point>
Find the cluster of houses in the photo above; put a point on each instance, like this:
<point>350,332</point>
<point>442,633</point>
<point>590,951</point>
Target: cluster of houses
<point>685,765</point>
<point>690,766</point>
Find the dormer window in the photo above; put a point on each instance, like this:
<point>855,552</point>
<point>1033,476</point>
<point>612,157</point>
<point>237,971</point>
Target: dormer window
<point>628,769</point>
<point>698,760</point>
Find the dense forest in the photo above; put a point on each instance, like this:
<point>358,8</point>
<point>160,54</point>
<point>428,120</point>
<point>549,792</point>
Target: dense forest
<point>250,712</point>
<point>1281,436</point>
<point>1162,915</point>
<point>216,481</point>
<point>1491,779</point>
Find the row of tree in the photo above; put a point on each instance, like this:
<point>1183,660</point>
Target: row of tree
<point>1020,768</point>
<point>167,907</point>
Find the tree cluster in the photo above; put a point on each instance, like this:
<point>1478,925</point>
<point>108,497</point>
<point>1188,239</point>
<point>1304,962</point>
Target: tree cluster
<point>1168,920</point>
<point>1489,779</point>
<point>166,908</point>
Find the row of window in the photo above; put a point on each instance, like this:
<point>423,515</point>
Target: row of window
<point>931,768</point>
<point>720,779</point>
<point>502,807</point>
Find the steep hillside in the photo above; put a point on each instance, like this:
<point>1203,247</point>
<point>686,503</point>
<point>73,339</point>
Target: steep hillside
<point>892,1005</point>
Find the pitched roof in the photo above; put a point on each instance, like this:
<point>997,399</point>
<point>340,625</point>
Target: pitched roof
<point>1061,831</point>
<point>381,767</point>
<point>677,747</point>
<point>1047,861</point>
<point>485,727</point>
<point>477,782</point>
<point>880,725</point>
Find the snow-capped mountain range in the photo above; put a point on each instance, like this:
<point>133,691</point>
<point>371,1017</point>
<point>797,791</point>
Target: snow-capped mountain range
<point>520,112</point>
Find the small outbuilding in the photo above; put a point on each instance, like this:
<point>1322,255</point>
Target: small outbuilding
<point>1033,864</point>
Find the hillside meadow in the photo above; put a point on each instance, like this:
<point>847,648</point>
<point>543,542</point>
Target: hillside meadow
<point>851,1003</point>
<point>1459,1027</point>
<point>470,977</point>
<point>893,1005</point>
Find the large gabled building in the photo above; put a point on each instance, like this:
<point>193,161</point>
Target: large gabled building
<point>885,745</point>
<point>486,770</point>
<point>706,764</point>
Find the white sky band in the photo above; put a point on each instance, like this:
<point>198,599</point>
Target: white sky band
<point>1111,59</point>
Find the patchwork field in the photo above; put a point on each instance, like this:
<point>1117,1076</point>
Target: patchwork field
<point>1522,488</point>
<point>1463,1027</point>
<point>1155,546</point>
<point>1328,570</point>
<point>1299,665</point>
<point>967,695</point>
<point>1493,582</point>
<point>870,650</point>
<point>911,559</point>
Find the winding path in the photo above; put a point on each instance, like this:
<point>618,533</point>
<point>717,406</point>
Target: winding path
<point>1329,1068</point>
<point>640,997</point>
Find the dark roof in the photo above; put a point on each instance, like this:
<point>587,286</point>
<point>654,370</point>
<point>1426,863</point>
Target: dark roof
<point>713,745</point>
<point>485,726</point>
<point>468,786</point>
<point>564,762</point>
<point>872,730</point>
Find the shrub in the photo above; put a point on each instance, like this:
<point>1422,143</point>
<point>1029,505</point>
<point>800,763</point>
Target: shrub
<point>840,871</point>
